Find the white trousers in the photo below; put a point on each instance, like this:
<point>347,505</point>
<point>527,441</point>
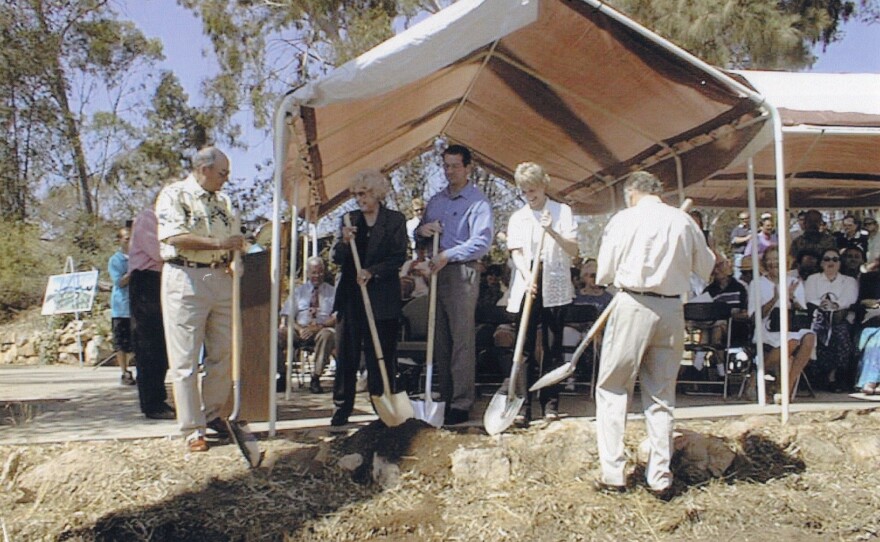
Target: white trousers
<point>644,338</point>
<point>197,309</point>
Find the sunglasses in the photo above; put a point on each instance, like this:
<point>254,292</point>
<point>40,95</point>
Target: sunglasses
<point>831,259</point>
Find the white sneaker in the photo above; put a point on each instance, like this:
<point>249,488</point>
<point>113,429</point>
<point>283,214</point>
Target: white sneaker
<point>361,382</point>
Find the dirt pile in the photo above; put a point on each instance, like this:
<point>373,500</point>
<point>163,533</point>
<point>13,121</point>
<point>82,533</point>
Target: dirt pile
<point>809,480</point>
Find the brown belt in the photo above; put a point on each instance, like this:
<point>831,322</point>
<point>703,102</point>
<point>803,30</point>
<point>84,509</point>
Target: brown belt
<point>197,265</point>
<point>649,294</point>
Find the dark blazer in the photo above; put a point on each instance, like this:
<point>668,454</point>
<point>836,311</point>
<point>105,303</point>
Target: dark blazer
<point>386,252</point>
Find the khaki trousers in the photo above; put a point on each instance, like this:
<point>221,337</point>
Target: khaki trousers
<point>197,310</point>
<point>644,338</point>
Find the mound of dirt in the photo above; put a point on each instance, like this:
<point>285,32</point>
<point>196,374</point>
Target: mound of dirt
<point>812,479</point>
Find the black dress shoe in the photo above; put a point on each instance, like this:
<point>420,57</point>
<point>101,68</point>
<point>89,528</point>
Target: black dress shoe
<point>161,414</point>
<point>340,418</point>
<point>218,426</point>
<point>315,385</point>
<point>665,494</point>
<point>601,487</point>
<point>456,417</point>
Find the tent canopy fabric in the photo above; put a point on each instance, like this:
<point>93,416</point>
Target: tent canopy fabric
<point>831,144</point>
<point>569,84</point>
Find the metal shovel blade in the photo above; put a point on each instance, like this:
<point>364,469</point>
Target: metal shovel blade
<point>501,412</point>
<point>392,408</point>
<point>246,442</point>
<point>429,412</point>
<point>555,376</point>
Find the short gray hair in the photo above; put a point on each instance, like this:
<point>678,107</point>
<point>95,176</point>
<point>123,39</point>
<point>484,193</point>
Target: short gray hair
<point>643,182</point>
<point>315,260</point>
<point>206,157</point>
<point>373,181</point>
<point>530,174</point>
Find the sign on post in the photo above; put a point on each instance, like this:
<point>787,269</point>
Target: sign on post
<point>70,292</point>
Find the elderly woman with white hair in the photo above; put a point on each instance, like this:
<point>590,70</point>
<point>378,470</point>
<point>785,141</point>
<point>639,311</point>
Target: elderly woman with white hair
<point>381,240</point>
<point>541,217</point>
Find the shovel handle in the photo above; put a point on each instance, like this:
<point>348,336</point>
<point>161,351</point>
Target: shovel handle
<point>524,319</point>
<point>236,269</point>
<point>368,308</point>
<point>432,308</point>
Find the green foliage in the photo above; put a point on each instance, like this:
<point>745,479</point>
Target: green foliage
<point>27,262</point>
<point>756,34</point>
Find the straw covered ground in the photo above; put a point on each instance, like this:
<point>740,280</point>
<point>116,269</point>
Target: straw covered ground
<point>814,479</point>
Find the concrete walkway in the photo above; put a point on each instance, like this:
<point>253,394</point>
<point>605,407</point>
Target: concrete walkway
<point>45,404</point>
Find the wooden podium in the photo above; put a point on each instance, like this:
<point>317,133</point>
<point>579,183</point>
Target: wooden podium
<point>255,296</point>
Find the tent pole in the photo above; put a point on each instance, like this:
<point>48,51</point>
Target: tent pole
<point>782,234</point>
<point>753,286</point>
<point>679,174</point>
<point>282,136</point>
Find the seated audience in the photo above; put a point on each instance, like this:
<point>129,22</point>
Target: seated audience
<point>851,261</point>
<point>313,321</point>
<point>766,238</point>
<point>850,235</point>
<point>869,340</point>
<point>814,236</point>
<point>414,275</point>
<point>800,342</point>
<point>590,293</point>
<point>833,294</point>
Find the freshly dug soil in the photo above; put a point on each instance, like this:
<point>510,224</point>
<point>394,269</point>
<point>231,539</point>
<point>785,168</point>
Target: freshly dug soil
<point>812,479</point>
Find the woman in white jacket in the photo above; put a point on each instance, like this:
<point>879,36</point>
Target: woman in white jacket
<point>538,217</point>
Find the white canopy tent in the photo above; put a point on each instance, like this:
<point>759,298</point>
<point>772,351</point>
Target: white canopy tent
<point>571,84</point>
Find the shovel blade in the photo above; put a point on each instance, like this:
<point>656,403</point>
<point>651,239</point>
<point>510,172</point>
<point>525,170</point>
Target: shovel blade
<point>429,412</point>
<point>246,442</point>
<point>555,376</point>
<point>392,408</point>
<point>501,412</point>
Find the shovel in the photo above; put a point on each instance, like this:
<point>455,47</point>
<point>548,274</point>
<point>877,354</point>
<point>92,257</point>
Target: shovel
<point>428,410</point>
<point>393,408</point>
<point>567,369</point>
<point>504,407</point>
<point>239,430</point>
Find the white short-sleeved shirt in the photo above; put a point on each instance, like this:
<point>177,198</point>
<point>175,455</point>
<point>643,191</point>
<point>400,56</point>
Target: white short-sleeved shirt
<point>524,232</point>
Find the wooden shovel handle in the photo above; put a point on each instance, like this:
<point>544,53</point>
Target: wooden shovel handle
<point>368,308</point>
<point>524,319</point>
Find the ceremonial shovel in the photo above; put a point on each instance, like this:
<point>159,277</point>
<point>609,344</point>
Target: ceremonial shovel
<point>567,369</point>
<point>393,408</point>
<point>428,410</point>
<point>239,430</point>
<point>503,407</point>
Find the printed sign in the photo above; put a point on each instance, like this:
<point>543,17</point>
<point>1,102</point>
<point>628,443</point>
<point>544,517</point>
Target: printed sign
<point>71,292</point>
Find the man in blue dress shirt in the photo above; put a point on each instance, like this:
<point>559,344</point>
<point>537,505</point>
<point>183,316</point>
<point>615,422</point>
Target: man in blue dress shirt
<point>462,215</point>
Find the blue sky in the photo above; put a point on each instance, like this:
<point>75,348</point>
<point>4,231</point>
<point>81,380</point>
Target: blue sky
<point>188,53</point>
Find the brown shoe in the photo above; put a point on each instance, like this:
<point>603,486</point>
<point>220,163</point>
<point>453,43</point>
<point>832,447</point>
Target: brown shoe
<point>610,489</point>
<point>197,444</point>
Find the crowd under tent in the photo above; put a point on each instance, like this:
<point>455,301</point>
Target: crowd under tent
<point>571,84</point>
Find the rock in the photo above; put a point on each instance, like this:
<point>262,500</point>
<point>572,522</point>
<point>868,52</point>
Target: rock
<point>698,456</point>
<point>27,349</point>
<point>818,450</point>
<point>485,466</point>
<point>864,449</point>
<point>21,339</point>
<point>385,473</point>
<point>68,359</point>
<point>92,353</point>
<point>11,354</point>
<point>350,462</point>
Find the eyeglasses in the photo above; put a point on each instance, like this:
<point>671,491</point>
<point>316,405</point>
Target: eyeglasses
<point>831,259</point>
<point>591,275</point>
<point>870,223</point>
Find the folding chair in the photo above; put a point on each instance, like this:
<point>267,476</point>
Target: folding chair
<point>700,318</point>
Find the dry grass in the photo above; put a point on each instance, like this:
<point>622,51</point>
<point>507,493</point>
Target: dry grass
<point>797,482</point>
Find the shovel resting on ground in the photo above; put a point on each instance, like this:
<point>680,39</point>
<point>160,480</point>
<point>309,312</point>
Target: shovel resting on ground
<point>392,408</point>
<point>567,369</point>
<point>241,434</point>
<point>428,410</point>
<point>504,407</point>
